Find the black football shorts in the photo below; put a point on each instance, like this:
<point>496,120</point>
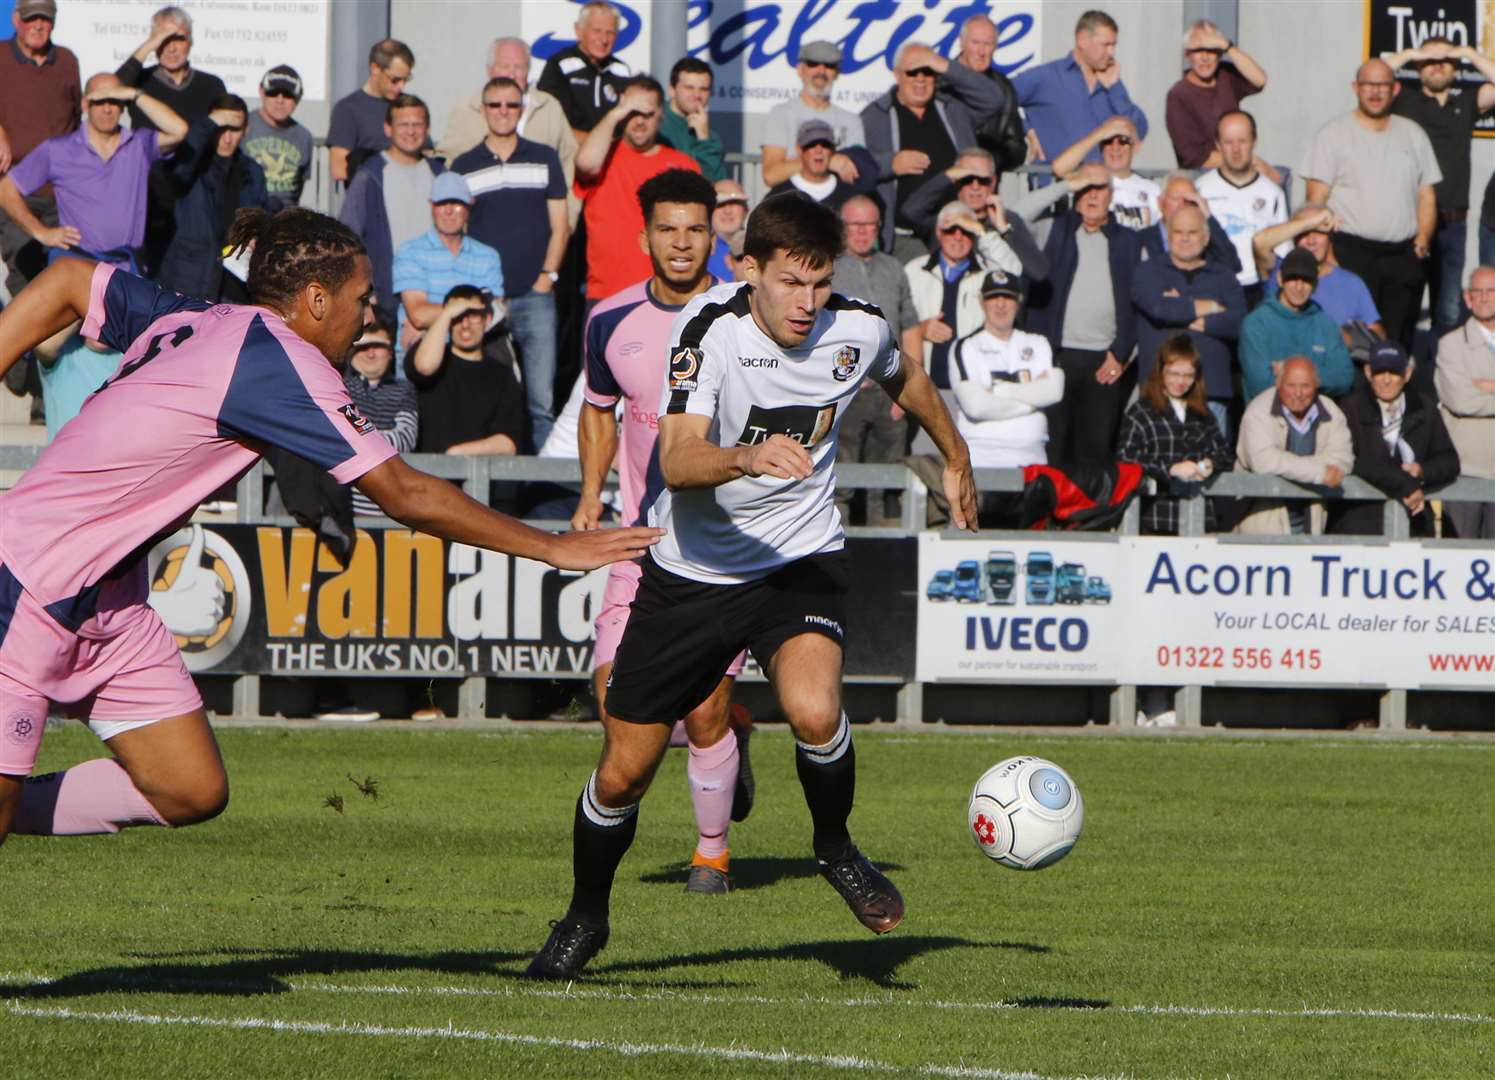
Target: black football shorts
<point>682,635</point>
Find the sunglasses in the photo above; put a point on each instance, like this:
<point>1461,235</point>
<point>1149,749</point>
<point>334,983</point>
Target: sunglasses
<point>278,93</point>
<point>504,106</point>
<point>99,102</point>
<point>1118,140</point>
<point>812,64</point>
<point>922,73</point>
<point>984,181</point>
<point>951,230</point>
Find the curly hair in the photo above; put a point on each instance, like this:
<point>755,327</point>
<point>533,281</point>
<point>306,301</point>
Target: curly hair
<point>291,250</point>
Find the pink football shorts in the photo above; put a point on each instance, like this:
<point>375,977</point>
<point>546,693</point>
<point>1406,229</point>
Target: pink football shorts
<point>622,585</point>
<point>121,669</point>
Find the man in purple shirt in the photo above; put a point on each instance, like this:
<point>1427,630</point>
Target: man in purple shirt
<point>98,174</point>
<point>1066,99</point>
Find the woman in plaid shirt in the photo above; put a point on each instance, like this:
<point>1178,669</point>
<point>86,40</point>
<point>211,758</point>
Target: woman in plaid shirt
<point>1171,433</point>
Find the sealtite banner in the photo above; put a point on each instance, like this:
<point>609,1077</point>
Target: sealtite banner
<point>1157,610</point>
<point>753,45</point>
<point>262,599</point>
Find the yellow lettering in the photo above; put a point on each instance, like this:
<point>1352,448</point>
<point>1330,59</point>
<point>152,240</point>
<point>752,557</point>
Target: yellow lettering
<point>348,604</point>
<point>287,590</point>
<point>401,548</point>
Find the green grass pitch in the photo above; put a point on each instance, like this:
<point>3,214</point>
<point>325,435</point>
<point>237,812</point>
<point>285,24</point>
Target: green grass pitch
<point>1236,907</point>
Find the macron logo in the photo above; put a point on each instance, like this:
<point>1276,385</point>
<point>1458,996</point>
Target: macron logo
<point>821,620</point>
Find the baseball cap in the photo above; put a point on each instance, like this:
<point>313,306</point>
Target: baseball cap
<point>814,131</point>
<point>30,9</point>
<point>1388,356</point>
<point>724,198</point>
<point>1299,265</point>
<point>821,52</point>
<point>950,212</point>
<point>450,187</point>
<point>283,78</point>
<point>1001,283</point>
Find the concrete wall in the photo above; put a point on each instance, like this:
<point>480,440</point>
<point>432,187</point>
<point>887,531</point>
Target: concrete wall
<point>450,40</point>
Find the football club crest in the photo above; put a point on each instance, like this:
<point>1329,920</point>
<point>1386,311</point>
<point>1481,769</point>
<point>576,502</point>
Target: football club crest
<point>844,364</point>
<point>685,366</point>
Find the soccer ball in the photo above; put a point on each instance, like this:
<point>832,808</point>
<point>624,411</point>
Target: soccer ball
<point>1025,813</point>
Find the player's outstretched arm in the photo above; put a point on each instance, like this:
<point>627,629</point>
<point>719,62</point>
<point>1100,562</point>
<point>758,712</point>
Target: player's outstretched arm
<point>56,298</point>
<point>689,459</point>
<point>914,392</point>
<point>435,506</point>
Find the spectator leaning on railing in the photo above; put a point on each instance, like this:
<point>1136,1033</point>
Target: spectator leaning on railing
<point>1401,444</point>
<point>1293,431</point>
<point>1292,324</point>
<point>1170,431</point>
<point>1466,394</point>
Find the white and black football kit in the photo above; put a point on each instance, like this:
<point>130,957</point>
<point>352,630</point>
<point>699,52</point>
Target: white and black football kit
<point>757,560</point>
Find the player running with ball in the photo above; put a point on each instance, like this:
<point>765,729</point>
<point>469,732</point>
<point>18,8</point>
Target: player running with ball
<point>752,557</point>
<point>627,344</point>
<point>201,390</point>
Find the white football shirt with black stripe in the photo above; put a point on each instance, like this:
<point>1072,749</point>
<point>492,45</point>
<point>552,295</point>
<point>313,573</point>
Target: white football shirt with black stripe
<point>724,367</point>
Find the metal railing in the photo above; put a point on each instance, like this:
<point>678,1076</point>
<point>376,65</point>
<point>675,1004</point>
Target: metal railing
<point>475,473</point>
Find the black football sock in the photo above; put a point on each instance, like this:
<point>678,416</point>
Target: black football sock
<point>600,837</point>
<point>828,774</point>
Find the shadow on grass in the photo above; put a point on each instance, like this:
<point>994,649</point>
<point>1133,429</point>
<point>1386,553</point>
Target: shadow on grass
<point>876,961</point>
<point>248,972</point>
<point>752,873</point>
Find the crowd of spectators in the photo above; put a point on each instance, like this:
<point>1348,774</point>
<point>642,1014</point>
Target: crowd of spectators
<point>1192,326</point>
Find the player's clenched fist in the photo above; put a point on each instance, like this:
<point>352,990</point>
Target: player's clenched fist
<point>779,456</point>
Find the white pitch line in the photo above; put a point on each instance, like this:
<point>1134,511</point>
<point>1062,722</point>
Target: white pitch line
<point>21,980</point>
<point>626,1049</point>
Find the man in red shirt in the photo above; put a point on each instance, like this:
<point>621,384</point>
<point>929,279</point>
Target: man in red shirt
<point>609,172</point>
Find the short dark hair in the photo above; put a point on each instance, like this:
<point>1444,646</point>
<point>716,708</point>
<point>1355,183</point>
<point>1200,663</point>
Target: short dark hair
<point>232,102</point>
<point>405,101</point>
<point>292,249</point>
<point>643,82</point>
<point>502,82</point>
<point>1235,112</point>
<point>1091,21</point>
<point>689,65</point>
<point>801,227</point>
<point>388,51</point>
<point>468,292</point>
<point>676,186</point>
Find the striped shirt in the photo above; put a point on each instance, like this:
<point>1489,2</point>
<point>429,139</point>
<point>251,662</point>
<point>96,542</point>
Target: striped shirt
<point>426,265</point>
<point>509,210</point>
<point>390,405</point>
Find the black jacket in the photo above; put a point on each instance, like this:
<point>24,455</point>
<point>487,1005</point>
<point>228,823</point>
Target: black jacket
<point>1422,429</point>
<point>1050,297</point>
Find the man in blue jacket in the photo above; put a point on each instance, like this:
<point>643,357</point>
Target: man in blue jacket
<point>1185,293</point>
<point>1292,324</point>
<point>384,223</point>
<point>915,131</point>
<point>1084,308</point>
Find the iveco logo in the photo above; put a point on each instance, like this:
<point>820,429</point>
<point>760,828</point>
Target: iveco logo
<point>758,361</point>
